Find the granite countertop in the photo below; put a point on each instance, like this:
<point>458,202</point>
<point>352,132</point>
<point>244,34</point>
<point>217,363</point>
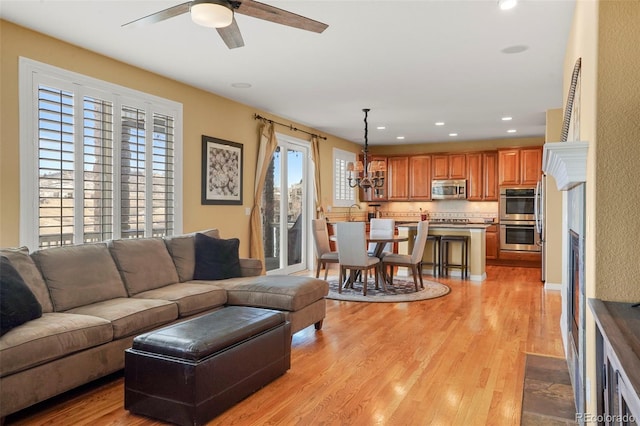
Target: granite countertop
<point>435,225</point>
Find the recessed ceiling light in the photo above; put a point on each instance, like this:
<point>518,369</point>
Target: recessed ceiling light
<point>507,118</point>
<point>515,49</point>
<point>381,127</point>
<point>439,123</point>
<point>241,85</point>
<point>400,137</point>
<point>511,131</point>
<point>453,134</point>
<point>507,4</point>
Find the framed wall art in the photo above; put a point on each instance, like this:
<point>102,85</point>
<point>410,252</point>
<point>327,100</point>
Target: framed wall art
<point>221,171</point>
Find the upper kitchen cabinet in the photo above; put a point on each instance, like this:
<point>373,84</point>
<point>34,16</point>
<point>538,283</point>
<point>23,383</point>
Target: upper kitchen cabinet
<point>451,166</point>
<point>397,178</point>
<point>482,168</point>
<point>420,177</point>
<point>519,166</point>
<point>375,194</point>
<point>490,189</point>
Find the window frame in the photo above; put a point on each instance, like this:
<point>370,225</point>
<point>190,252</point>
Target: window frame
<point>31,75</point>
<point>340,176</point>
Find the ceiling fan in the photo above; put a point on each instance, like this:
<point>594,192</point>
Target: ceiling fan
<point>219,14</point>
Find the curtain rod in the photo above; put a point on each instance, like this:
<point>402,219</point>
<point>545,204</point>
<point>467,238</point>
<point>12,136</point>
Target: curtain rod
<point>259,117</point>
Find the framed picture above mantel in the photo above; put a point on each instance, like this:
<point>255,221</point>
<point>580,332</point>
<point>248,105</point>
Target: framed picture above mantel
<point>221,171</point>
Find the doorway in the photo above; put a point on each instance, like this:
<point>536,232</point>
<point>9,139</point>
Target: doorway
<point>286,203</point>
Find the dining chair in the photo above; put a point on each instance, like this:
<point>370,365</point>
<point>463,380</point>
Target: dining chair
<point>352,254</point>
<point>381,228</point>
<point>324,255</point>
<point>413,261</point>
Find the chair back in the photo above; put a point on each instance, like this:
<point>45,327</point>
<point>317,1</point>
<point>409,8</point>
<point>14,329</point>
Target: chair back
<point>381,228</point>
<point>351,242</point>
<point>420,241</point>
<point>320,237</point>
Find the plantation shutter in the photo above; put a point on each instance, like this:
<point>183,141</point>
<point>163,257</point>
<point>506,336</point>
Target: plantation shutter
<point>132,172</point>
<point>343,195</point>
<point>55,166</point>
<point>163,175</point>
<point>98,169</point>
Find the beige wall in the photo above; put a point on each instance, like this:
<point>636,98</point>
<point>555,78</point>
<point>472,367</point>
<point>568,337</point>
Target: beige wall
<point>553,208</point>
<point>204,113</point>
<point>606,36</point>
<point>617,158</point>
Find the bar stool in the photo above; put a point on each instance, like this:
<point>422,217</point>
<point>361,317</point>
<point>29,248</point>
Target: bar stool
<point>445,264</point>
<point>435,254</point>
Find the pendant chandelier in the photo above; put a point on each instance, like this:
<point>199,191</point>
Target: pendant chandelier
<point>366,174</point>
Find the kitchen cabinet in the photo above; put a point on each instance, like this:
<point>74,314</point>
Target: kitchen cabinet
<point>398,178</point>
<point>490,189</point>
<point>519,166</point>
<point>493,242</point>
<point>375,194</point>
<point>617,361</point>
<point>449,166</point>
<point>420,177</point>
<point>530,165</point>
<point>475,182</point>
<point>482,179</point>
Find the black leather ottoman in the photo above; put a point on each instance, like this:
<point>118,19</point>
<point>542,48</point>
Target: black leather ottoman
<point>190,372</point>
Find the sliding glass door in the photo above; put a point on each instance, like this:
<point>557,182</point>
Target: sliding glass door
<point>285,202</point>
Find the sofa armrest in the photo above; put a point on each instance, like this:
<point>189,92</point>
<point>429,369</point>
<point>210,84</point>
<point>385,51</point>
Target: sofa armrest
<point>250,267</point>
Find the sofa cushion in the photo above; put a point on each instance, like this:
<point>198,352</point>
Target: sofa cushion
<point>79,275</point>
<point>250,267</point>
<point>130,316</point>
<point>191,298</point>
<point>216,259</point>
<point>283,292</point>
<point>17,304</point>
<point>183,252</point>
<point>24,264</point>
<point>52,336</point>
<point>144,263</point>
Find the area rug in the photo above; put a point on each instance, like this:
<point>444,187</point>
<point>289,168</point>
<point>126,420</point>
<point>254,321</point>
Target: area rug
<point>402,290</point>
<point>547,393</point>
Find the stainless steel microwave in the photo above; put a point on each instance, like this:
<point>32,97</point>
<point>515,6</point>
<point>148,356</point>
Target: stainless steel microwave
<point>453,189</point>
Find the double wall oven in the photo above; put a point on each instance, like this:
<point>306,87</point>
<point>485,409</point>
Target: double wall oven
<point>518,231</point>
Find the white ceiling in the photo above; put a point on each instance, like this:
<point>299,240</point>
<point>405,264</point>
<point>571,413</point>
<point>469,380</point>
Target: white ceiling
<point>412,62</point>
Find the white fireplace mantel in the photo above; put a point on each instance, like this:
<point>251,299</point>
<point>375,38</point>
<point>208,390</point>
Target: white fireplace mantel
<point>566,162</point>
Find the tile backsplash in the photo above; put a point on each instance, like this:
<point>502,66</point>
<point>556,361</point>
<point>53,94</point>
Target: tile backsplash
<point>445,209</point>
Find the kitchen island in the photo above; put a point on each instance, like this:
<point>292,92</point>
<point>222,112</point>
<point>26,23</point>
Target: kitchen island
<point>477,243</point>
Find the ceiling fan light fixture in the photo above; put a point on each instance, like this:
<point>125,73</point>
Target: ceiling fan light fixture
<point>212,13</point>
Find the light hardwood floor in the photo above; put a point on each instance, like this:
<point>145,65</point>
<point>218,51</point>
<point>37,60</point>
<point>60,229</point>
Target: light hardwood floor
<point>455,360</point>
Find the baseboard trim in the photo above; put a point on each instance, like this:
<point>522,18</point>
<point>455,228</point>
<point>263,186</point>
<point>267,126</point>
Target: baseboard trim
<point>552,286</point>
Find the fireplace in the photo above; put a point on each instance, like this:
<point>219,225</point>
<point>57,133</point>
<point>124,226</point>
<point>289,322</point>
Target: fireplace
<point>574,290</point>
<point>575,301</point>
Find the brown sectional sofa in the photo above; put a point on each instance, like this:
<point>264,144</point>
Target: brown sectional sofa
<point>96,298</point>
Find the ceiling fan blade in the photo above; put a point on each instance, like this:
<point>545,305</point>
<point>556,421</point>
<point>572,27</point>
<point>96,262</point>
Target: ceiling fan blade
<point>231,35</point>
<point>273,14</point>
<point>162,15</point>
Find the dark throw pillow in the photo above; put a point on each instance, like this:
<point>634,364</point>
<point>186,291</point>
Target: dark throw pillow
<point>216,259</point>
<point>17,303</point>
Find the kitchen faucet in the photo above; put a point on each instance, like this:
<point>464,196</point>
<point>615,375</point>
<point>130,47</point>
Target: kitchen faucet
<point>350,218</point>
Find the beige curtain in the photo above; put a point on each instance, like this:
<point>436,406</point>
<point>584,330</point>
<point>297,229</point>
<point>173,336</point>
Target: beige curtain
<point>268,145</point>
<point>315,153</point>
